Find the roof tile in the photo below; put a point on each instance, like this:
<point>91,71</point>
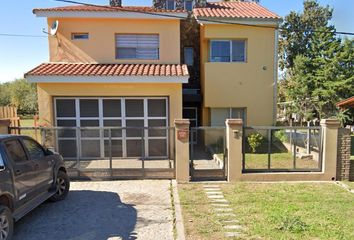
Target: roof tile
<point>95,69</point>
<point>234,10</point>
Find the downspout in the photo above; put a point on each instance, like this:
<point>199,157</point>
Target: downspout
<point>275,84</point>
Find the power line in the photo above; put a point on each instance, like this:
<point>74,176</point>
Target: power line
<point>21,35</point>
<point>207,20</point>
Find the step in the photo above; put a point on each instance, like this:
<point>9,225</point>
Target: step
<point>233,227</point>
<point>222,209</point>
<point>233,234</point>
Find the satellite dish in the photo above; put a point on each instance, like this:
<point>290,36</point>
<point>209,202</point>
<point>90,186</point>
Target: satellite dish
<point>54,28</point>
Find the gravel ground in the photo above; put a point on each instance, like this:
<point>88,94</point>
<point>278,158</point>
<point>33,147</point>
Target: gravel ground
<point>103,210</point>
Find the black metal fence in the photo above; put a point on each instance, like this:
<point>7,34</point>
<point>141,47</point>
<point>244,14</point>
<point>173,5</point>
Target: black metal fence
<point>282,149</point>
<point>119,152</point>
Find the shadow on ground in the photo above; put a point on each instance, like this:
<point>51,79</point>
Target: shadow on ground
<point>84,215</point>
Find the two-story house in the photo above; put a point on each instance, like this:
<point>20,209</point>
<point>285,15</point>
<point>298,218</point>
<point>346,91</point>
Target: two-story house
<point>126,66</point>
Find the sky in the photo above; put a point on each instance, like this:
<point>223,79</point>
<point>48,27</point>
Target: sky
<point>20,54</point>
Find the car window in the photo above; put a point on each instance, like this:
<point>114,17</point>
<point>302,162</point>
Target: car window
<point>16,151</point>
<point>34,149</point>
<point>1,161</point>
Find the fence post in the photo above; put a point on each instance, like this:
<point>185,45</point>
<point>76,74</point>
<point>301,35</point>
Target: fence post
<point>329,152</point>
<point>4,126</point>
<point>182,149</point>
<point>234,149</point>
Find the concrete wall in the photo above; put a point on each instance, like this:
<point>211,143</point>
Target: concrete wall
<point>46,92</point>
<point>100,47</point>
<point>249,84</point>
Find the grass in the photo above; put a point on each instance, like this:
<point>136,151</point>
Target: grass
<point>274,211</point>
<point>278,160</point>
<point>350,184</point>
<point>199,221</point>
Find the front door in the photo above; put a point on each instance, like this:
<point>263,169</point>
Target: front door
<point>25,178</point>
<point>191,113</point>
<point>43,164</point>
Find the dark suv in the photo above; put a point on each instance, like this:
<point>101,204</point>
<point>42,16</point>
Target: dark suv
<point>29,175</point>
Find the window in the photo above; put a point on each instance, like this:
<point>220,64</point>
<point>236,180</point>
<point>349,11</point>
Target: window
<point>170,5</point>
<point>228,51</point>
<point>188,5</point>
<point>137,46</point>
<point>34,149</point>
<point>79,36</point>
<point>219,115</point>
<point>15,151</point>
<point>188,56</point>
<point>2,165</point>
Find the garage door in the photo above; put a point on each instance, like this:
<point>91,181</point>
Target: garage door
<point>134,115</point>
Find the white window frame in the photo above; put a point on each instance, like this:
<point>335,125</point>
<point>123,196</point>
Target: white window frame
<point>185,1</point>
<point>230,42</point>
<point>123,119</point>
<point>174,4</point>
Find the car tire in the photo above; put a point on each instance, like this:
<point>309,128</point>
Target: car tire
<point>6,223</point>
<point>62,187</point>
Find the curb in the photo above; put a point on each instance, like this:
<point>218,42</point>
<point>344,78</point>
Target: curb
<point>178,213</point>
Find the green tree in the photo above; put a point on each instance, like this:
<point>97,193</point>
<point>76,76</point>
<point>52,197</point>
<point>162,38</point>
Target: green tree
<point>24,96</point>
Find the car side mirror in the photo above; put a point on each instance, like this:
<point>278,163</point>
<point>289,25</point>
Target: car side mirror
<point>49,152</point>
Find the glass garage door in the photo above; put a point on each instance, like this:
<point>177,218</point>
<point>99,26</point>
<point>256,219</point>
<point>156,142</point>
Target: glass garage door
<point>137,118</point>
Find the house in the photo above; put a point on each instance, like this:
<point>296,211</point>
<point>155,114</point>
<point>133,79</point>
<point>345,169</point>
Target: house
<point>129,66</point>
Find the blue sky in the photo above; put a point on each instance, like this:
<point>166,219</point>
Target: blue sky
<point>19,54</point>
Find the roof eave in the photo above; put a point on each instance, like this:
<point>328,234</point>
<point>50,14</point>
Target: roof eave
<point>110,14</point>
<point>247,21</point>
<point>105,79</point>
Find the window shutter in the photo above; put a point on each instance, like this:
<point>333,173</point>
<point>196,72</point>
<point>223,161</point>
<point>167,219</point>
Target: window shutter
<point>140,46</point>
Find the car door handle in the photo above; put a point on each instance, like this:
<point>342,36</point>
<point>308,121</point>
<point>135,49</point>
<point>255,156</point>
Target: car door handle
<point>18,172</point>
<point>36,165</point>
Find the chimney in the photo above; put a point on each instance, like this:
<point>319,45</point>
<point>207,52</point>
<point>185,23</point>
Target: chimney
<point>115,3</point>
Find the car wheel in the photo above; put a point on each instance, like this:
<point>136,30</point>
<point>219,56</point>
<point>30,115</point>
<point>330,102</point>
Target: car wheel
<point>6,223</point>
<point>62,187</point>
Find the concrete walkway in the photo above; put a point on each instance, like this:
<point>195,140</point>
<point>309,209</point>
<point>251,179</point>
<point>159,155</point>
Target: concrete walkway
<point>103,210</point>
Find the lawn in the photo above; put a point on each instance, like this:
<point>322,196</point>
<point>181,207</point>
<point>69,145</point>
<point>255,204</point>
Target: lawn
<point>278,161</point>
<point>274,211</point>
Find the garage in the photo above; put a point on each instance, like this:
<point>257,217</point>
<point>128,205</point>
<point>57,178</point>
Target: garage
<point>135,125</point>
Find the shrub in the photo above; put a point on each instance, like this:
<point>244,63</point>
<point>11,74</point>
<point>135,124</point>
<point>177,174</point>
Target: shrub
<point>255,140</point>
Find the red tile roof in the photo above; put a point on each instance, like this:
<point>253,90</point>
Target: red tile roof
<point>234,10</point>
<point>95,69</point>
<point>83,8</point>
<point>346,103</point>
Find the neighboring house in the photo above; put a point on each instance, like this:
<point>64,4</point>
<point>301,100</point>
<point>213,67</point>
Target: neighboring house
<point>146,66</point>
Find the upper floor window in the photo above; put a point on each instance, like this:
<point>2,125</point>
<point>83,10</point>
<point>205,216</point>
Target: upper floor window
<point>188,56</point>
<point>228,51</point>
<point>188,5</point>
<point>79,36</point>
<point>170,5</point>
<point>137,46</point>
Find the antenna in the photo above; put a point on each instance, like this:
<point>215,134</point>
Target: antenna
<point>53,29</point>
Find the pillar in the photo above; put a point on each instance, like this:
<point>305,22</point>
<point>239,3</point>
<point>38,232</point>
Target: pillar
<point>182,149</point>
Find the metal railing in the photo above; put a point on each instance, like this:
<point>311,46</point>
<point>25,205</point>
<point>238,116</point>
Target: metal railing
<point>282,149</point>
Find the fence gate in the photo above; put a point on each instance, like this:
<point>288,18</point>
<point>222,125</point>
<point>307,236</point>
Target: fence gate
<point>99,153</point>
<point>208,153</point>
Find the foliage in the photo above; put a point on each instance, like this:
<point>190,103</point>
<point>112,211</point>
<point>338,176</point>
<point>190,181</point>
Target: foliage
<point>318,66</point>
<point>20,94</point>
<point>293,224</point>
<point>281,135</point>
<point>255,140</point>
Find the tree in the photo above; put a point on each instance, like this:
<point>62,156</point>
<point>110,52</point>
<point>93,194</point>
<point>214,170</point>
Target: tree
<point>20,94</point>
<point>294,42</point>
<point>318,65</point>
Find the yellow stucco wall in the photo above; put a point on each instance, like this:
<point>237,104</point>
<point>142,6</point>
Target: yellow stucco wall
<point>100,47</point>
<point>46,92</point>
<point>240,84</point>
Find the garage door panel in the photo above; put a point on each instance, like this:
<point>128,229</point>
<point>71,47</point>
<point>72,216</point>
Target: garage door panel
<point>116,146</point>
<point>134,148</point>
<point>134,108</point>
<point>90,148</point>
<point>157,147</point>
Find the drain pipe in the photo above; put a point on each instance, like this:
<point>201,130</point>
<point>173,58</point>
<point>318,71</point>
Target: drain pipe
<point>275,84</point>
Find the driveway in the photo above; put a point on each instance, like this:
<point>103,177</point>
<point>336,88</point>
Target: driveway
<point>103,210</point>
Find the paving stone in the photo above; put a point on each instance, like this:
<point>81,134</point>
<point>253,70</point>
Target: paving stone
<point>223,209</point>
<point>218,200</point>
<point>235,227</point>
<point>233,234</point>
<point>211,186</point>
<point>212,189</point>
<point>214,193</point>
<point>225,215</point>
<point>220,205</point>
<point>227,222</point>
<point>216,196</point>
